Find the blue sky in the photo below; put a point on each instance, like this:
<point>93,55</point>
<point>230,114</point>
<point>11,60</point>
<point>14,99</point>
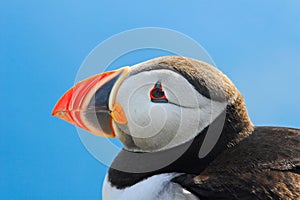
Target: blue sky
<point>42,45</point>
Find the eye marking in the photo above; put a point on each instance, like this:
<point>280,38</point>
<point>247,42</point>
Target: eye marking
<point>157,94</point>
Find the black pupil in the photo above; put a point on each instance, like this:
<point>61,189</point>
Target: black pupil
<point>157,93</point>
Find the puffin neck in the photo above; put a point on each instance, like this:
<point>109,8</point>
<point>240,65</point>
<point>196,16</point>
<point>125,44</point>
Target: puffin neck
<point>137,168</point>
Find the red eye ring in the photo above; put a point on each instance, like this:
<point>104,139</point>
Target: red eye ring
<point>157,94</point>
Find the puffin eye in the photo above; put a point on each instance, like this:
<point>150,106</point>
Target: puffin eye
<point>157,94</point>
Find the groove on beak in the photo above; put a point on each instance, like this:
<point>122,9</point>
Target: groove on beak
<point>90,104</point>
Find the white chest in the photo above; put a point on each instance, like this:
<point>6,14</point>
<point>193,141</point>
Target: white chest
<point>153,188</point>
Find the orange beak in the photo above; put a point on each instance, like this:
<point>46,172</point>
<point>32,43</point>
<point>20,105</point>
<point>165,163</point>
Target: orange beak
<point>91,105</point>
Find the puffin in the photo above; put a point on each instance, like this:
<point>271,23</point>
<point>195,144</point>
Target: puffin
<point>186,134</point>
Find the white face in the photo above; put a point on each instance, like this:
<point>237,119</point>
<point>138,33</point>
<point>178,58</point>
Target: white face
<point>154,126</point>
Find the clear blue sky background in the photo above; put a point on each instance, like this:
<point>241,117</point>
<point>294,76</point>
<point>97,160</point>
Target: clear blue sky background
<point>256,43</point>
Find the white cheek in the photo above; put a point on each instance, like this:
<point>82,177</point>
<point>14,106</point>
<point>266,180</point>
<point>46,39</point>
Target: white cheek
<point>162,129</point>
<point>158,126</point>
<point>145,119</point>
<point>137,107</point>
<point>194,120</point>
<point>151,125</point>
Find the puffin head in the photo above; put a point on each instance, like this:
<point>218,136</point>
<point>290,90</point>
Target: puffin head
<point>155,105</point>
